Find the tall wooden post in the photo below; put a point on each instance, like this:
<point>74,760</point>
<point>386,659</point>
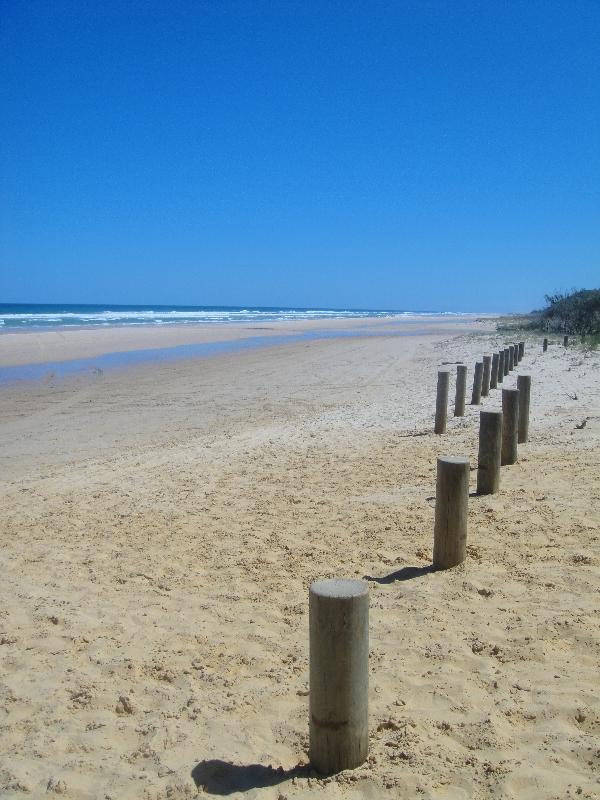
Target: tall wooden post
<point>441,401</point>
<point>487,374</point>
<point>490,449</point>
<point>494,372</point>
<point>451,512</point>
<point>566,341</point>
<point>510,425</point>
<point>505,361</point>
<point>511,357</point>
<point>524,387</point>
<point>545,345</point>
<point>501,357</point>
<point>477,381</point>
<point>339,674</point>
<point>521,351</point>
<point>461,390</point>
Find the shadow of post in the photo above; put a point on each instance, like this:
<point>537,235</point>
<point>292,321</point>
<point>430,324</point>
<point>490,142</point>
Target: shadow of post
<point>404,574</point>
<point>222,778</point>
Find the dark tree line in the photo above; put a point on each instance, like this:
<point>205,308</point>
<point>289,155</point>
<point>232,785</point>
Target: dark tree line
<point>576,312</point>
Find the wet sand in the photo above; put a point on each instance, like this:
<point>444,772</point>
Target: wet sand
<point>39,346</point>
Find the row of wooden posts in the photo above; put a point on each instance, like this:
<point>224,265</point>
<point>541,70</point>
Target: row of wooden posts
<point>500,432</point>
<point>339,608</point>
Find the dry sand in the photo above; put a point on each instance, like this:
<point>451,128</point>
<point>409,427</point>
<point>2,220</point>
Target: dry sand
<point>160,528</point>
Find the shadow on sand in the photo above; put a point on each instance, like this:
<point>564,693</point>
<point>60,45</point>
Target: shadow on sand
<point>223,778</point>
<point>404,574</point>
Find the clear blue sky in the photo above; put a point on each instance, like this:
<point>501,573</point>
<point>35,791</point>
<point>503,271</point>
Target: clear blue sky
<point>441,155</point>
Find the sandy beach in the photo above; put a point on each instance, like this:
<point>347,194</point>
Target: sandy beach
<point>161,526</point>
<point>65,344</point>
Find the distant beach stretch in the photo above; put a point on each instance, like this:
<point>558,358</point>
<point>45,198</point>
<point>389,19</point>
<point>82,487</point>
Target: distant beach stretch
<point>103,338</point>
<point>162,523</point>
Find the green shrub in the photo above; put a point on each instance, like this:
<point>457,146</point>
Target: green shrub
<point>577,312</point>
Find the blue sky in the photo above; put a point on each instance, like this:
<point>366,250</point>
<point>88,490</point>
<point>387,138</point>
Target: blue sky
<point>416,155</point>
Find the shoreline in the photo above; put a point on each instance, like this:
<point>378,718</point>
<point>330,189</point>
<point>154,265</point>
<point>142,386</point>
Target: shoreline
<point>60,345</point>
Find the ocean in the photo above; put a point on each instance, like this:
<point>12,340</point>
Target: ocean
<point>21,317</point>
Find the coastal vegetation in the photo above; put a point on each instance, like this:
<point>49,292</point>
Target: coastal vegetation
<point>575,313</point>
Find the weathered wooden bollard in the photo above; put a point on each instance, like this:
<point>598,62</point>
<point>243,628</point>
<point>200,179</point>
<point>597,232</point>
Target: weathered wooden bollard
<point>494,372</point>
<point>511,357</point>
<point>545,345</point>
<point>461,390</point>
<point>524,387</point>
<point>521,350</point>
<point>339,674</point>
<point>451,512</point>
<point>510,425</point>
<point>566,341</point>
<point>500,366</point>
<point>490,450</point>
<point>477,382</point>
<point>441,401</point>
<point>505,361</point>
<point>516,359</point>
<point>487,374</point>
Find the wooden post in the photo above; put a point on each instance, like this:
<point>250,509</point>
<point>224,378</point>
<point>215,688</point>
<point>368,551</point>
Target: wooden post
<point>566,341</point>
<point>441,401</point>
<point>510,425</point>
<point>494,372</point>
<point>545,345</point>
<point>487,374</point>
<point>521,350</point>
<point>451,511</point>
<point>505,361</point>
<point>339,674</point>
<point>477,382</point>
<point>490,449</point>
<point>524,387</point>
<point>511,357</point>
<point>461,390</point>
<point>516,358</point>
<point>501,366</point>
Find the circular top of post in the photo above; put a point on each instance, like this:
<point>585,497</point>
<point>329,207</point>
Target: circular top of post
<point>491,413</point>
<point>444,372</point>
<point>454,459</point>
<point>510,391</point>
<point>340,587</point>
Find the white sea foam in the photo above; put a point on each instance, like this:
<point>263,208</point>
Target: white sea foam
<point>12,317</point>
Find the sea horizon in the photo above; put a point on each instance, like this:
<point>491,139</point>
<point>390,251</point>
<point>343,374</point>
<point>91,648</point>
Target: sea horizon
<point>49,316</point>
